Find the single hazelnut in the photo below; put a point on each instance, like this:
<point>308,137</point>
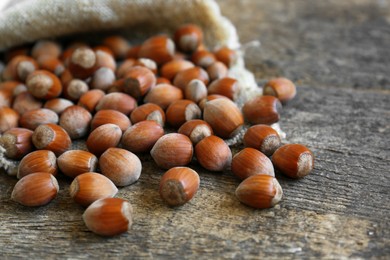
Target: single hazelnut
<point>217,70</point>
<point>117,101</point>
<point>6,98</point>
<point>75,89</point>
<point>105,59</point>
<point>75,162</point>
<point>179,185</point>
<point>109,216</point>
<point>16,142</point>
<point>90,99</point>
<point>172,150</point>
<point>8,119</point>
<point>43,84</point>
<point>46,48</point>
<point>67,53</point>
<point>213,153</point>
<point>281,88</point>
<point>124,67</point>
<point>203,58</point>
<point>181,111</point>
<point>122,167</point>
<point>102,79</point>
<point>51,64</point>
<point>158,48</point>
<point>58,105</point>
<point>51,137</point>
<point>19,67</point>
<point>89,187</point>
<point>109,116</point>
<point>250,162</point>
<point>188,37</point>
<point>103,137</point>
<point>227,87</point>
<point>76,120</point>
<point>203,101</point>
<point>259,191</point>
<point>138,81</point>
<point>38,161</point>
<point>262,110</point>
<point>224,117</point>
<point>163,95</point>
<point>293,160</point>
<point>147,63</point>
<point>184,77</point>
<point>142,136</point>
<point>263,138</point>
<point>148,111</point>
<point>32,119</point>
<point>118,45</point>
<point>227,56</point>
<point>24,102</point>
<point>170,69</point>
<point>36,189</point>
<point>196,90</point>
<point>196,130</point>
<point>83,63</point>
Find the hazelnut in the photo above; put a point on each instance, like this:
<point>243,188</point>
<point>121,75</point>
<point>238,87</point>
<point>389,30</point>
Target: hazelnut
<point>117,101</point>
<point>75,89</point>
<point>103,137</point>
<point>262,110</point>
<point>170,69</point>
<point>124,67</point>
<point>109,116</point>
<point>75,120</point>
<point>196,90</point>
<point>8,119</point>
<point>203,101</point>
<point>120,166</point>
<point>117,86</point>
<point>75,162</point>
<point>6,98</point>
<point>227,56</point>
<point>105,59</point>
<point>142,136</point>
<point>259,191</point>
<point>293,160</point>
<point>46,48</point>
<point>163,95</point>
<point>203,58</point>
<point>38,161</point>
<point>213,153</point>
<point>179,185</point>
<point>263,138</point>
<point>138,81</point>
<point>109,216</point>
<point>83,62</point>
<point>24,102</point>
<point>102,79</point>
<point>281,88</point>
<point>172,150</point>
<point>250,162</point>
<point>32,119</point>
<point>158,48</point>
<point>227,87</point>
<point>16,142</point>
<point>36,189</point>
<point>184,77</point>
<point>51,64</point>
<point>217,70</point>
<point>147,63</point>
<point>196,130</point>
<point>58,105</point>
<point>224,117</point>
<point>133,52</point>
<point>90,99</point>
<point>43,84</point>
<point>182,111</point>
<point>188,37</point>
<point>148,111</point>
<point>19,67</point>
<point>89,187</point>
<point>51,137</point>
<point>118,45</point>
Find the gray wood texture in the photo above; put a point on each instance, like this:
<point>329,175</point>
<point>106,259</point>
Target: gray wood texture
<point>338,53</point>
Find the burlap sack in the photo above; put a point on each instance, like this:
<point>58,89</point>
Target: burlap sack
<point>26,21</point>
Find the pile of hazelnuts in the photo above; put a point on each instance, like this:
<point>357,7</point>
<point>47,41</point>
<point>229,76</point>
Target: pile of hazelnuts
<point>117,98</point>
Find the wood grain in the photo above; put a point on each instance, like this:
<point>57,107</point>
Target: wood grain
<point>338,53</point>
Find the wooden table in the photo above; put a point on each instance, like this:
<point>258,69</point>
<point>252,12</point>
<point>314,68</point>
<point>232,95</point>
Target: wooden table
<point>338,53</point>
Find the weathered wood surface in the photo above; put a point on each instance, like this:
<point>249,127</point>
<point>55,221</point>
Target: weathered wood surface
<point>338,52</point>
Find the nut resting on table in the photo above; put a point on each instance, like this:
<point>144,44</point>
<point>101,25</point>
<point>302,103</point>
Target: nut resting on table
<point>170,97</point>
